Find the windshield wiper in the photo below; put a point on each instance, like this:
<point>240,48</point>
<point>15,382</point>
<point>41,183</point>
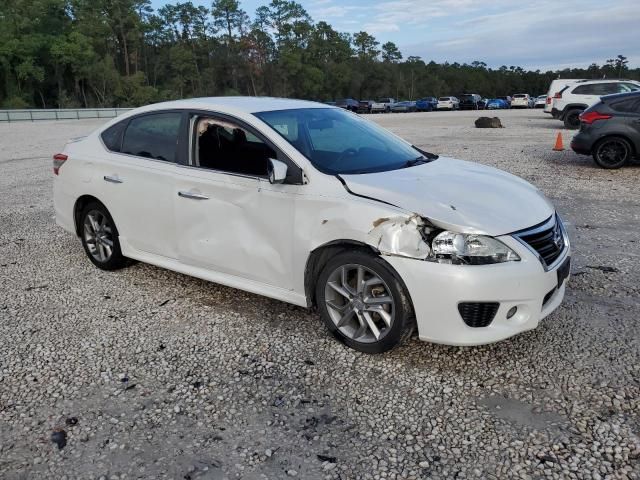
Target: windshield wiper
<point>416,161</point>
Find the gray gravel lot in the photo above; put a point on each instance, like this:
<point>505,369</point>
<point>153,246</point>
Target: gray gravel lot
<point>152,374</point>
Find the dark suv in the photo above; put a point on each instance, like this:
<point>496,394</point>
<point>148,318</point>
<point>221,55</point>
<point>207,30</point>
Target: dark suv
<point>470,101</point>
<point>610,130</point>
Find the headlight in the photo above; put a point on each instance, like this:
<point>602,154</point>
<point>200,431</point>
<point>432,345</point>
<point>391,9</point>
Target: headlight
<point>466,249</point>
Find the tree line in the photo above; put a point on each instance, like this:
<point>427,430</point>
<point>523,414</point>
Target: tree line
<point>104,53</point>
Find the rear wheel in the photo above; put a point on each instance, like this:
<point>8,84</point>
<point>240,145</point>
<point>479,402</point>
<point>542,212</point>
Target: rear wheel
<point>100,237</point>
<point>363,303</point>
<point>612,152</point>
<point>572,119</point>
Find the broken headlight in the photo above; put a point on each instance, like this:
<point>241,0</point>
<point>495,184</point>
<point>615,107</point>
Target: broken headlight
<point>469,249</point>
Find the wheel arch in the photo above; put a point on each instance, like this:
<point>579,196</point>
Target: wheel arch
<point>572,106</point>
<point>82,202</point>
<point>319,257</point>
<point>607,136</point>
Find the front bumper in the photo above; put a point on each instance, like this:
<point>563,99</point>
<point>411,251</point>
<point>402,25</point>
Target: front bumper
<point>437,289</point>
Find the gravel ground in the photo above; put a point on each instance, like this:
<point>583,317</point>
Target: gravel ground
<point>145,373</point>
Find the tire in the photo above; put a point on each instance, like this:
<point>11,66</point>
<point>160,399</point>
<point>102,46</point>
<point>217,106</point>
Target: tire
<point>354,317</point>
<point>572,120</point>
<point>99,237</point>
<point>612,152</point>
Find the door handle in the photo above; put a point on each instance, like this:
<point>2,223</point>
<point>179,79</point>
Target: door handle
<point>194,196</point>
<point>109,178</point>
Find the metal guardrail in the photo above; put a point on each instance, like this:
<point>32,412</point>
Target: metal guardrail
<point>33,115</point>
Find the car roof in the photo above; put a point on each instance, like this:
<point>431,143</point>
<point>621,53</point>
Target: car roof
<point>605,80</point>
<point>242,104</point>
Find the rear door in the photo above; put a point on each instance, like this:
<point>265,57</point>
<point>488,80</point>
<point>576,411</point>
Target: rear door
<point>629,109</point>
<point>137,181</point>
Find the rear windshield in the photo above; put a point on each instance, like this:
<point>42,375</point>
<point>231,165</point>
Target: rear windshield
<point>519,95</point>
<point>444,99</point>
<point>384,100</point>
<point>467,96</point>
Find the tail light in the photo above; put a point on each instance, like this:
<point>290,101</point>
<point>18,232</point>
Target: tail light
<point>590,117</point>
<point>58,160</point>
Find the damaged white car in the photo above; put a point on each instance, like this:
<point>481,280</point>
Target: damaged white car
<point>316,206</point>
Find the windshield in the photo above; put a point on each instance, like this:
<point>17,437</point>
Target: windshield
<point>519,95</point>
<point>443,99</point>
<point>336,141</point>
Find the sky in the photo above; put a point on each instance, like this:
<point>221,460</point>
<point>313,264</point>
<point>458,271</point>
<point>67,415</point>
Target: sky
<point>535,34</point>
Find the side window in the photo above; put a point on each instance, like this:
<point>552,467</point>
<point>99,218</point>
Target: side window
<point>609,88</point>
<point>223,145</point>
<point>584,90</point>
<point>627,87</point>
<point>153,136</point>
<point>631,105</point>
<point>112,136</point>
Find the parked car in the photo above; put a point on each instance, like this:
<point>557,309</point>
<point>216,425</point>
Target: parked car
<point>574,99</point>
<point>610,130</point>
<point>554,88</point>
<point>448,103</point>
<point>540,101</point>
<point>382,105</point>
<point>427,104</point>
<point>364,106</point>
<point>348,104</point>
<point>404,106</point>
<point>497,104</point>
<point>521,100</point>
<point>469,101</point>
<point>311,205</point>
<point>507,99</point>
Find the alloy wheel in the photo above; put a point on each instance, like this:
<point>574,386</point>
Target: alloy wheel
<point>612,152</point>
<point>98,235</point>
<point>359,303</point>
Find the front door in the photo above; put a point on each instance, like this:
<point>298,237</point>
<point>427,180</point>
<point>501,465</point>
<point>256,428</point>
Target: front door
<point>229,218</point>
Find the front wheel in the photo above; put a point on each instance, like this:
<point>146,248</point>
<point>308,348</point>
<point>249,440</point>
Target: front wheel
<point>100,237</point>
<point>363,302</point>
<point>612,152</point>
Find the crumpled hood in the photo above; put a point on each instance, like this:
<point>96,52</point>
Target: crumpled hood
<point>465,196</point>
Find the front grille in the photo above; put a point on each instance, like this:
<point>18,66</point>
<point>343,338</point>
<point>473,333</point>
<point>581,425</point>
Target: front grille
<point>478,314</point>
<point>547,239</point>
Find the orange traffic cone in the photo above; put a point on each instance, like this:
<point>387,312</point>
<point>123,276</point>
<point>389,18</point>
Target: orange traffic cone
<point>558,147</point>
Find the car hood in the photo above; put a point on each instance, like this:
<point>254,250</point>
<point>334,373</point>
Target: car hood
<point>458,195</point>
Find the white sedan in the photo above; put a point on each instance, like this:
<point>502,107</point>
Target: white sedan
<point>313,205</point>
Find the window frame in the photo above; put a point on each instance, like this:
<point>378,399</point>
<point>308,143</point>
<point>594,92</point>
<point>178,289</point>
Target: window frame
<point>180,145</point>
<point>295,175</point>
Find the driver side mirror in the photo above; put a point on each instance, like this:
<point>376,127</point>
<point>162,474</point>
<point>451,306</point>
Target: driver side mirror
<point>277,171</point>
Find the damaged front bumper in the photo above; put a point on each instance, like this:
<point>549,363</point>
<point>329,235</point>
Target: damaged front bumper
<point>437,290</point>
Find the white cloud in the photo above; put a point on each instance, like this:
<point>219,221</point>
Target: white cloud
<point>530,33</point>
